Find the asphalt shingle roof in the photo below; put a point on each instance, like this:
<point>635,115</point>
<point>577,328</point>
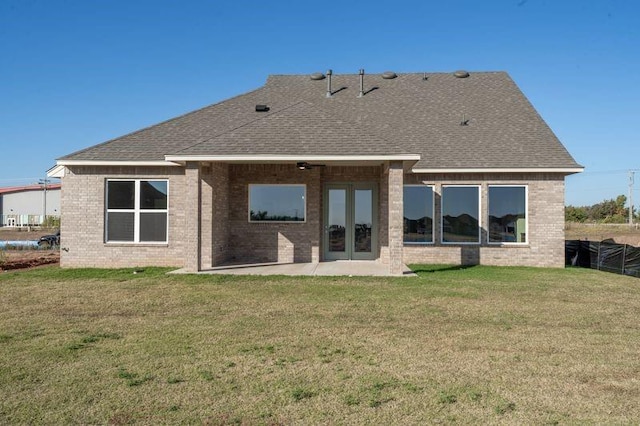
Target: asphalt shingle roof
<point>405,115</point>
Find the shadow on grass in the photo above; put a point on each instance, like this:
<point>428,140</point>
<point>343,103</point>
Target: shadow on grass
<point>419,269</point>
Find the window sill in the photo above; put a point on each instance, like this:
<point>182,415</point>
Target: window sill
<point>277,222</point>
<point>459,243</point>
<point>479,245</point>
<point>145,244</point>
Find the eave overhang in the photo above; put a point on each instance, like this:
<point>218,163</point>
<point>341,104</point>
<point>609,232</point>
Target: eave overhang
<point>180,160</point>
<point>114,163</point>
<point>276,158</point>
<point>563,170</point>
<point>58,169</point>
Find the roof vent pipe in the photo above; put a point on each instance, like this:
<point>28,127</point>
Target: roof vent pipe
<point>361,94</point>
<point>329,73</point>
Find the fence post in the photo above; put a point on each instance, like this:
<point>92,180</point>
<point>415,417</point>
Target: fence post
<point>624,257</point>
<point>598,264</point>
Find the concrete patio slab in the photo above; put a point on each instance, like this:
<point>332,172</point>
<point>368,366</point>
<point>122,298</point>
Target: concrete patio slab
<point>333,268</point>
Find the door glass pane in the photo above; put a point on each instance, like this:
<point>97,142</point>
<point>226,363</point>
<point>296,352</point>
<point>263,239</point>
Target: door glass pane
<point>337,219</point>
<point>363,220</point>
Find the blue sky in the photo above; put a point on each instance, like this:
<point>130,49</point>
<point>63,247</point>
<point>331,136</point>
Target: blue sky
<point>74,73</point>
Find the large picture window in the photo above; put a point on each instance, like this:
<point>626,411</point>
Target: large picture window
<point>418,214</point>
<point>137,211</point>
<point>461,214</point>
<point>277,203</point>
<point>507,214</point>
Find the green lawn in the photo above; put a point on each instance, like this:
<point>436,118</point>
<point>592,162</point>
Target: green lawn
<point>482,344</point>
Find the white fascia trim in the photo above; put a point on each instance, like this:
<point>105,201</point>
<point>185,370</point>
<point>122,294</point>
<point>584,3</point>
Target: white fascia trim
<point>56,171</point>
<point>114,163</point>
<point>504,170</point>
<point>291,158</point>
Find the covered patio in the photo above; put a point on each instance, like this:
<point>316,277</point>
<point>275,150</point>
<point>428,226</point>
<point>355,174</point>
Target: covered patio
<point>347,268</point>
<point>223,222</point>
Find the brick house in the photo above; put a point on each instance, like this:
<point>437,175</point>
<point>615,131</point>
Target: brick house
<point>397,168</point>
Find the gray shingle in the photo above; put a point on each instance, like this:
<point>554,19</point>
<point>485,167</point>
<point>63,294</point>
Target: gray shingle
<point>296,129</point>
<point>406,115</point>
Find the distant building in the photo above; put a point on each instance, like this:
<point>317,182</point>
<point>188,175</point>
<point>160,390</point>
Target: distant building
<point>25,205</point>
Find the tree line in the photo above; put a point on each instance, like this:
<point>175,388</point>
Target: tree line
<point>608,211</point>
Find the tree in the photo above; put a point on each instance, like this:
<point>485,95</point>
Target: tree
<point>610,211</point>
<point>607,211</point>
<point>575,214</point>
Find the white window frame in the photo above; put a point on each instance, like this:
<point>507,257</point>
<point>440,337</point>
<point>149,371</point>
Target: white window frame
<point>526,215</point>
<point>470,243</point>
<point>276,221</point>
<point>433,217</point>
<point>136,212</point>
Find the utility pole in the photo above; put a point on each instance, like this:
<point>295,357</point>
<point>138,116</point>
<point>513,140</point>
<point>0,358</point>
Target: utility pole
<point>631,179</point>
<point>44,183</point>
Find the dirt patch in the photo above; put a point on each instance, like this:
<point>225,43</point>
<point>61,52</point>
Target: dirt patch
<point>621,234</point>
<point>24,259</point>
<point>627,239</point>
<point>23,234</point>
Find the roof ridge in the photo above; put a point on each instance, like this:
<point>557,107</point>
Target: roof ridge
<point>541,120</point>
<point>161,123</point>
<point>334,73</point>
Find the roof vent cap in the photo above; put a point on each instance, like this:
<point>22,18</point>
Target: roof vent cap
<point>389,75</point>
<point>262,108</point>
<point>461,74</point>
<point>317,76</point>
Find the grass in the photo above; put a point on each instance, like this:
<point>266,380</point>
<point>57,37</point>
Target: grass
<point>481,344</point>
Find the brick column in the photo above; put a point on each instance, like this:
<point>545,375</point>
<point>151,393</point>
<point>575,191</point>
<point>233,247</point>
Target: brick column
<point>220,214</point>
<point>192,220</point>
<point>396,212</point>
<point>206,216</point>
